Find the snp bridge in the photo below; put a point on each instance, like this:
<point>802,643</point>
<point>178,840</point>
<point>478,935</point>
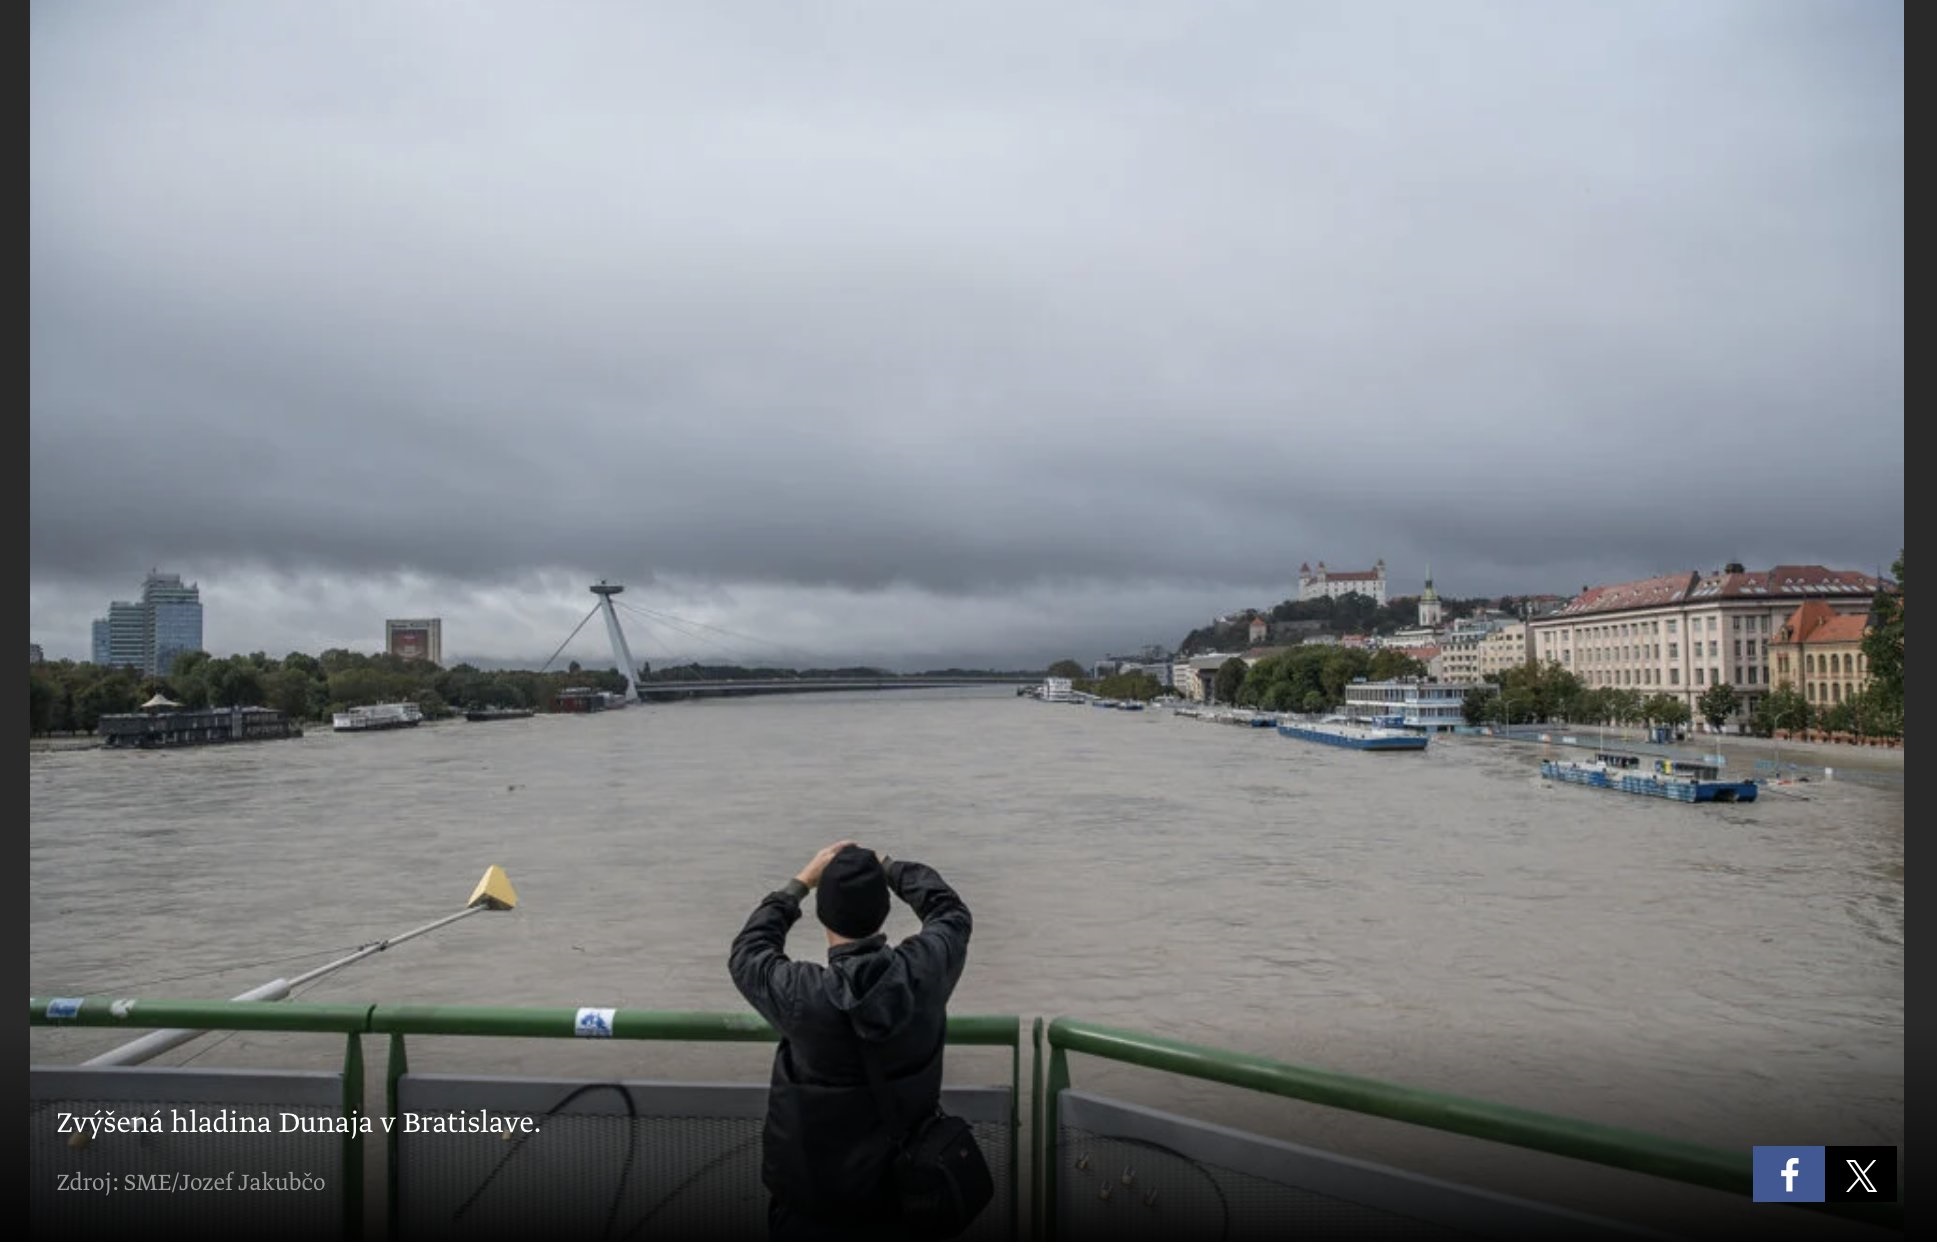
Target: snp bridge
<point>772,686</point>
<point>656,689</point>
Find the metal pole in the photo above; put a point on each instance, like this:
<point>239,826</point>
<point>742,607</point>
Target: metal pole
<point>152,1045</point>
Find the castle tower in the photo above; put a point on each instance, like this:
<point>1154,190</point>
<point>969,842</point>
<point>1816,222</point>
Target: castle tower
<point>1431,603</point>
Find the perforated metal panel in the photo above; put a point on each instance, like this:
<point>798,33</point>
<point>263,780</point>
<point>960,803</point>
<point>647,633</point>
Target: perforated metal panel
<point>642,1160</point>
<point>108,1168</point>
<point>1129,1172</point>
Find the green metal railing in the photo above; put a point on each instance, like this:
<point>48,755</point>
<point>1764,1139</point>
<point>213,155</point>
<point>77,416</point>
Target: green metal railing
<point>1617,1148</point>
<point>1632,1151</point>
<point>354,1021</point>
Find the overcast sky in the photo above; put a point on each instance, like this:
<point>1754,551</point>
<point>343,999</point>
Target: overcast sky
<point>975,333</point>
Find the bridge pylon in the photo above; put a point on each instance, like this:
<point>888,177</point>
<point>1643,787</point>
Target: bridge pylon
<point>622,655</point>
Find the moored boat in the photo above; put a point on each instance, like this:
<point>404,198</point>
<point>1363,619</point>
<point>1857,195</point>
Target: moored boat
<point>495,714</point>
<point>377,717</point>
<point>1380,734</point>
<point>1058,691</point>
<point>172,726</point>
<point>1691,782</point>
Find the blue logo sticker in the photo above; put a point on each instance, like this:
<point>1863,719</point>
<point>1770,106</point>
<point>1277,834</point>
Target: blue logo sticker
<point>594,1023</point>
<point>63,1008</point>
<point>1788,1175</point>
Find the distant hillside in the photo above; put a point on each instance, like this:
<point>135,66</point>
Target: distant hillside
<point>1351,614</point>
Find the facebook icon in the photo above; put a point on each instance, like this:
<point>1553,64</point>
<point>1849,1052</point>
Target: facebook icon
<point>1788,1175</point>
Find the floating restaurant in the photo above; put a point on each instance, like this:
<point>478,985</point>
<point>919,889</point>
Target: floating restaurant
<point>165,724</point>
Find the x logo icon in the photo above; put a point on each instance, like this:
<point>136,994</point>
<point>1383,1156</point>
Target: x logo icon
<point>1859,1178</point>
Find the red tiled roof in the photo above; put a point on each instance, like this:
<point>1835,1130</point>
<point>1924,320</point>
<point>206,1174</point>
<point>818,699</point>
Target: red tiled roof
<point>1844,628</point>
<point>1804,619</point>
<point>1688,586</point>
<point>1815,622</point>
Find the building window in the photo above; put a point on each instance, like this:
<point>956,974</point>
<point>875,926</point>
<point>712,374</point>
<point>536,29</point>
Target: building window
<point>1670,627</point>
<point>1673,648</point>
<point>1713,648</point>
<point>1738,675</point>
<point>1673,676</point>
<point>1738,648</point>
<point>1765,675</point>
<point>1714,675</point>
<point>1848,662</point>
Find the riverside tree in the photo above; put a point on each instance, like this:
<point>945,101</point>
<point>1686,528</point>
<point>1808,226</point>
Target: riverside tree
<point>1885,648</point>
<point>1718,704</point>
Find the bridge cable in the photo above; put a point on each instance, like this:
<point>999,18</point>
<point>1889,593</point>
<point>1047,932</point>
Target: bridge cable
<point>569,638</point>
<point>646,622</point>
<point>732,654</point>
<point>722,630</point>
<point>668,655</point>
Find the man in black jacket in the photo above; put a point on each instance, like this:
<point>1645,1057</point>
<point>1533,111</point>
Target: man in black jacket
<point>825,1150</point>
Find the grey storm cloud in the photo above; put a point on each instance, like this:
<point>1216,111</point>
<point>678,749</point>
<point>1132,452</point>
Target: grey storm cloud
<point>958,301</point>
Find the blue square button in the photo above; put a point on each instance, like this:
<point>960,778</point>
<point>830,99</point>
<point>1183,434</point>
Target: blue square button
<point>1788,1175</point>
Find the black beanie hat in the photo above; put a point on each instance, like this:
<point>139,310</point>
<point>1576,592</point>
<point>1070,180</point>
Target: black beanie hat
<point>853,897</point>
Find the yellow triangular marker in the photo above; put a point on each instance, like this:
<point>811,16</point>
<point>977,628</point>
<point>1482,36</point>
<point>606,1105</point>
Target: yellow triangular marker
<point>494,891</point>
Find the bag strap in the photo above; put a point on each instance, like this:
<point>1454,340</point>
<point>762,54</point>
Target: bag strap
<point>879,1086</point>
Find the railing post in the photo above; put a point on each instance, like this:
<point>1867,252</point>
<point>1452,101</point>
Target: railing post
<point>1016,1126</point>
<point>353,1142</point>
<point>394,1070</point>
<point>1055,1083</point>
<point>1037,1128</point>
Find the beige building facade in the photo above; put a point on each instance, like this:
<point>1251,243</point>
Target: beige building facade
<point>1822,654</point>
<point>1681,633</point>
<point>1507,648</point>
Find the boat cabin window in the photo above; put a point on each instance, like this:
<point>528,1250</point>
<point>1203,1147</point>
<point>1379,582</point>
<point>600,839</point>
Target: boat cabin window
<point>1617,760</point>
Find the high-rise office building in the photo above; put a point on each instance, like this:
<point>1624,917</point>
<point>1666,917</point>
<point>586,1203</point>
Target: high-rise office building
<point>174,618</point>
<point>415,638</point>
<point>128,637</point>
<point>149,634</point>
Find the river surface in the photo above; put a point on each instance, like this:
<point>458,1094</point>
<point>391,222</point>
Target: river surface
<point>1724,974</point>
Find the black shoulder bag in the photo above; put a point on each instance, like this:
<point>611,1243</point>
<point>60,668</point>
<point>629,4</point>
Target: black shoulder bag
<point>939,1172</point>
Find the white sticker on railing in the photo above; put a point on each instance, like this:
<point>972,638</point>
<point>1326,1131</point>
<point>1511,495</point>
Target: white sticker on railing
<point>60,1008</point>
<point>594,1023</point>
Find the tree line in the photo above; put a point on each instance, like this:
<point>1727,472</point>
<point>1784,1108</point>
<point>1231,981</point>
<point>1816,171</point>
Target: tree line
<point>1310,678</point>
<point>69,697</point>
<point>73,696</point>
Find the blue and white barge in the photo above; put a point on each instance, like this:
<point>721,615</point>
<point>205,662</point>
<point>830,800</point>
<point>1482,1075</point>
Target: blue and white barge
<point>1379,734</point>
<point>1688,781</point>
